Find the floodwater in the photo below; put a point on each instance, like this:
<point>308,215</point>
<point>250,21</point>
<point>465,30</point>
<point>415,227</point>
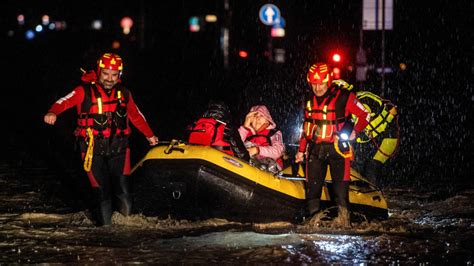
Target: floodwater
<point>37,227</point>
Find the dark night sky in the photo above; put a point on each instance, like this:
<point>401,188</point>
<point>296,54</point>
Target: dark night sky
<point>177,71</point>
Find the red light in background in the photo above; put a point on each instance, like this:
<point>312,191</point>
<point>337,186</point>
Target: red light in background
<point>194,28</point>
<point>126,22</point>
<point>336,58</point>
<point>336,72</point>
<point>243,54</point>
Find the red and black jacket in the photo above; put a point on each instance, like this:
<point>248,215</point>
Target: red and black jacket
<point>106,113</point>
<point>324,120</point>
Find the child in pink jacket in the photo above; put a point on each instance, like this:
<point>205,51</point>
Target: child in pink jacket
<point>263,140</point>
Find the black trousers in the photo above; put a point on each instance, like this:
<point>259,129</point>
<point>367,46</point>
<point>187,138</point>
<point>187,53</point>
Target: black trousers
<point>109,178</point>
<point>320,157</point>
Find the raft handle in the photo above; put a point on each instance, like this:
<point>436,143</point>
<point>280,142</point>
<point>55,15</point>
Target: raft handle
<point>290,177</point>
<point>174,146</point>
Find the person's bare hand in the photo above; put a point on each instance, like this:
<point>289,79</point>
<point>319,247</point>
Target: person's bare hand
<point>249,119</point>
<point>50,118</point>
<point>253,151</point>
<point>299,157</point>
<point>153,140</point>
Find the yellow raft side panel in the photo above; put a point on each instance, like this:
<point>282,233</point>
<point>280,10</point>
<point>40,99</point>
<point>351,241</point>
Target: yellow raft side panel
<point>292,188</point>
<point>289,187</point>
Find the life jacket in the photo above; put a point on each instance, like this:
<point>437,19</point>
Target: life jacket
<point>382,113</point>
<point>208,131</point>
<point>105,118</point>
<point>263,138</point>
<point>323,121</point>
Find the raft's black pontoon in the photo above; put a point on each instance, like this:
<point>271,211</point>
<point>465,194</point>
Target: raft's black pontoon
<point>199,182</point>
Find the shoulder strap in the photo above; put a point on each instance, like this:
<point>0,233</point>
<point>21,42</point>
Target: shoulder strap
<point>87,102</point>
<point>216,127</point>
<point>341,103</point>
<point>124,91</point>
<point>272,132</point>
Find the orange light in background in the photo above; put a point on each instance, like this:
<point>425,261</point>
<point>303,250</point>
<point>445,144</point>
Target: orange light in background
<point>210,18</point>
<point>243,54</point>
<point>115,44</point>
<point>336,58</point>
<point>403,66</point>
<point>45,19</point>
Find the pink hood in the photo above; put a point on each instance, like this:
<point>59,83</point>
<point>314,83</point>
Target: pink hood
<point>262,109</point>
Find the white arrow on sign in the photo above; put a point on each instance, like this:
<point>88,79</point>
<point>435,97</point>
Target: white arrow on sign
<point>269,13</point>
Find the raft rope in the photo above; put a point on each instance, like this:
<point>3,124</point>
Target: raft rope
<point>90,151</point>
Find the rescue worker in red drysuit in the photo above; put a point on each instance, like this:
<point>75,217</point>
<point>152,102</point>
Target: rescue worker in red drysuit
<point>215,128</point>
<point>328,110</point>
<point>105,107</point>
<point>263,140</point>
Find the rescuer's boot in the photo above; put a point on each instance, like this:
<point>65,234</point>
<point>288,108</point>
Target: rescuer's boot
<point>124,204</point>
<point>312,207</point>
<point>104,213</point>
<point>343,219</point>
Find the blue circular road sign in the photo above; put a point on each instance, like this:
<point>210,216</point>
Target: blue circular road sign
<point>269,14</point>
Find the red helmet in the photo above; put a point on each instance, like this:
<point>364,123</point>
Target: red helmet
<point>110,61</point>
<point>319,73</point>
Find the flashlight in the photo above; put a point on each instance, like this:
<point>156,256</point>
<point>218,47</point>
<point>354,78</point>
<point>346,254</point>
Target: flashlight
<point>344,134</point>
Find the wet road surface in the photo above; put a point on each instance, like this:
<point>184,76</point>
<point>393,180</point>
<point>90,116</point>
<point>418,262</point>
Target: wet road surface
<point>37,226</point>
